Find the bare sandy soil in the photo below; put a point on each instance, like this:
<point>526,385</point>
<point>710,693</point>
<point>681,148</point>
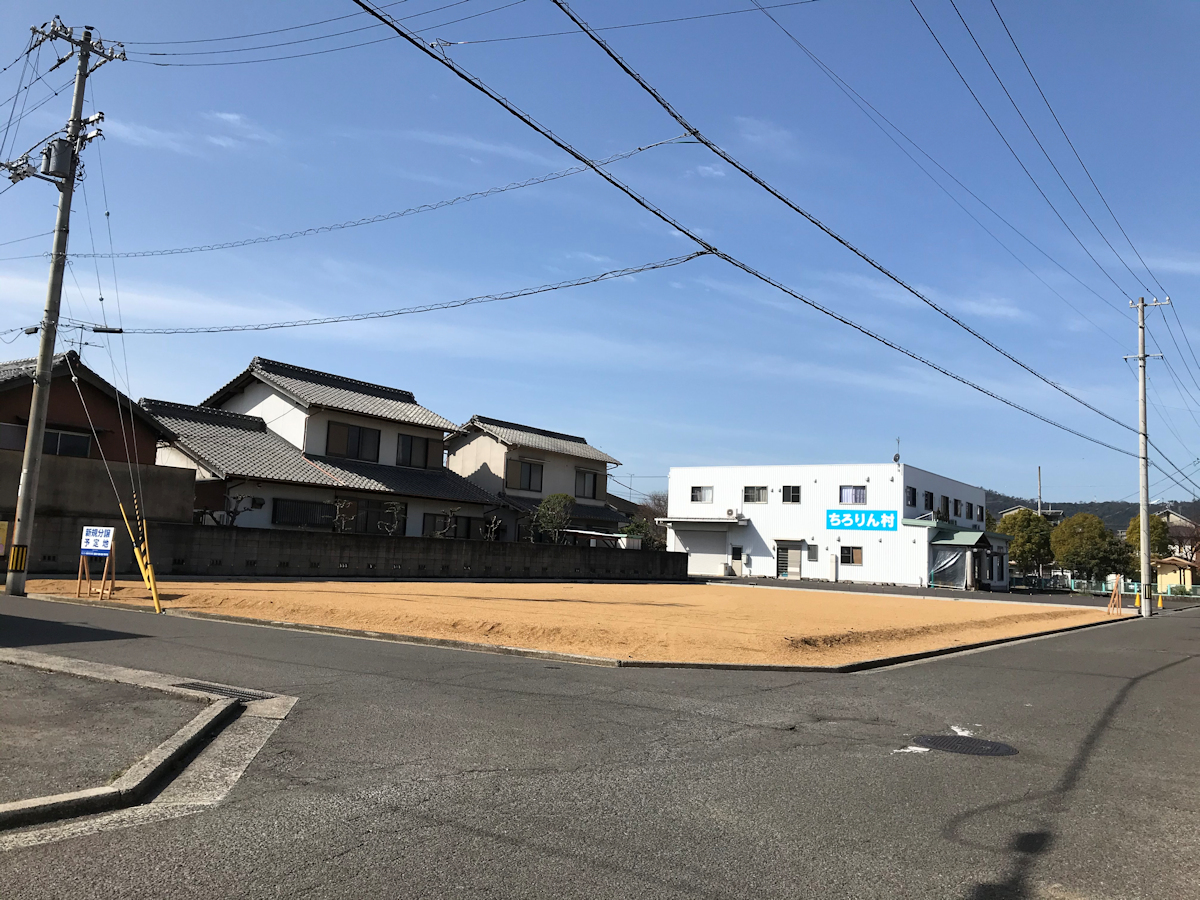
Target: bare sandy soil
<point>676,622</point>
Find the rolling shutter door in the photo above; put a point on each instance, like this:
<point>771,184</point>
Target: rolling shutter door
<point>706,551</point>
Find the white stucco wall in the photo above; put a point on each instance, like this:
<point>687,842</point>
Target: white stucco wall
<point>894,556</point>
<point>283,416</point>
<point>479,458</point>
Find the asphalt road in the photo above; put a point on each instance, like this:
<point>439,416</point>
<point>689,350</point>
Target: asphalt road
<point>416,772</point>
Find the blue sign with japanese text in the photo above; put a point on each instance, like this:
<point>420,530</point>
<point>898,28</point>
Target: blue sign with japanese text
<point>861,520</point>
<point>96,541</point>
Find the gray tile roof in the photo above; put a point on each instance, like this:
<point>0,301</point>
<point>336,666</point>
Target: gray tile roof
<point>538,439</point>
<point>308,387</point>
<point>233,445</point>
<point>18,372</point>
<point>578,511</point>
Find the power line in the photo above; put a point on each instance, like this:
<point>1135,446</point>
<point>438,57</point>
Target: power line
<point>863,105</point>
<point>1071,144</point>
<point>384,217</point>
<point>1017,157</point>
<point>241,62</point>
<point>515,111</point>
<point>778,195</point>
<point>410,310</point>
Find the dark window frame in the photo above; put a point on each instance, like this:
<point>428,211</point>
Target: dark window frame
<point>928,501</point>
<point>698,493</point>
<point>587,483</point>
<point>852,552</point>
<point>760,490</point>
<point>910,496</point>
<point>791,493</point>
<point>358,442</point>
<point>856,491</point>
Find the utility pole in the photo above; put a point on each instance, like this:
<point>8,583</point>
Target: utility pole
<point>1144,456</point>
<point>60,161</point>
<point>1039,490</point>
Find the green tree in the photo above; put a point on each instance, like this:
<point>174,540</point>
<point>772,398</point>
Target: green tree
<point>647,531</point>
<point>1084,545</point>
<point>1030,544</point>
<point>1160,536</point>
<point>552,517</point>
<point>989,521</point>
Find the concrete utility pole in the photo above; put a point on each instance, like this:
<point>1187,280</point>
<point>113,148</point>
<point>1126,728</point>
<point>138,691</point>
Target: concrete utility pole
<point>1144,457</point>
<point>60,160</point>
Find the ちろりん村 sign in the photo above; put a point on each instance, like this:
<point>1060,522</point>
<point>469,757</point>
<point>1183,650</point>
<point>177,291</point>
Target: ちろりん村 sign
<point>861,520</point>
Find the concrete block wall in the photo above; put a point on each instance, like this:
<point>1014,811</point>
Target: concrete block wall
<point>209,551</point>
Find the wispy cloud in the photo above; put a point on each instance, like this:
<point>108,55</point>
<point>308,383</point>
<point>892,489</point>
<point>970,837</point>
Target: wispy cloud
<point>227,131</point>
<point>710,171</point>
<point>145,136</point>
<point>236,129</point>
<point>1182,265</point>
<point>589,257</point>
<point>766,136</point>
<point>993,308</point>
<point>462,142</point>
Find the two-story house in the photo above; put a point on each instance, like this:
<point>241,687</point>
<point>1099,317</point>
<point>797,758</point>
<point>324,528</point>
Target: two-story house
<point>525,465</point>
<point>281,446</point>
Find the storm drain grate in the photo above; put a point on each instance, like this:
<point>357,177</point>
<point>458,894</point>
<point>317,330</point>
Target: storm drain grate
<point>953,743</point>
<point>222,691</point>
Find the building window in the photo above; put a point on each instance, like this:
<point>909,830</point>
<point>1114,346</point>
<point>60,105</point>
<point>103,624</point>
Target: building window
<point>944,507</point>
<point>459,527</point>
<point>970,510</point>
<point>851,493</point>
<point>412,451</point>
<point>304,513</point>
<point>852,556</point>
<point>957,508</point>
<point>929,501</point>
<point>910,497</point>
<point>525,476</point>
<point>702,494</point>
<point>979,513</point>
<point>54,443</point>
<point>812,552</point>
<point>735,554</point>
<point>352,442</point>
<point>791,493</point>
<point>754,494</point>
<point>585,485</point>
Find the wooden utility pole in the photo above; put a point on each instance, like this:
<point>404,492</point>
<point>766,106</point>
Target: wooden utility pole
<point>1144,457</point>
<point>60,160</point>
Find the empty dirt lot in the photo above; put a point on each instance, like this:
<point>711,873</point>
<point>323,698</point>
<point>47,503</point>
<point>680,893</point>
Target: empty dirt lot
<point>675,622</point>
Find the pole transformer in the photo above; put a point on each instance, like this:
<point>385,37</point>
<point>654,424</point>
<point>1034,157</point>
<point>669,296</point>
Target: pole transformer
<point>60,162</point>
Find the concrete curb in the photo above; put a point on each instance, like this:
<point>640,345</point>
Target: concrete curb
<point>611,662</point>
<point>132,787</point>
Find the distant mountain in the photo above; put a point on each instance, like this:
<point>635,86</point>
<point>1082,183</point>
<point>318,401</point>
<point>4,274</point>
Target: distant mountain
<point>1115,513</point>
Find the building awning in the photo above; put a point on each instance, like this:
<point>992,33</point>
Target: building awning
<point>964,538</point>
<point>708,523</point>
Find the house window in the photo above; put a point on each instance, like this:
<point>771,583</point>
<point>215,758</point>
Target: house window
<point>412,451</point>
<point>585,485</point>
<point>910,497</point>
<point>852,493</point>
<point>852,556</point>
<point>754,494</point>
<point>970,510</point>
<point>929,501</point>
<point>702,494</point>
<point>812,552</point>
<point>525,476</point>
<point>957,508</point>
<point>944,507</point>
<point>305,513</point>
<point>458,527</point>
<point>791,493</point>
<point>363,516</point>
<point>54,443</point>
<point>352,442</point>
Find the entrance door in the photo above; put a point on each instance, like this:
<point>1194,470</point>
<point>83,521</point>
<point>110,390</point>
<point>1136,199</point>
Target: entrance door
<point>781,562</point>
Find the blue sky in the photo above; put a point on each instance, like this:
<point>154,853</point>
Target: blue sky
<point>697,364</point>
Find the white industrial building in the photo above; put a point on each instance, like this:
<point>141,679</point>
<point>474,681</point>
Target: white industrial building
<point>877,524</point>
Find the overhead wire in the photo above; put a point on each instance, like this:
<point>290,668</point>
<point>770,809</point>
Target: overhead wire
<point>515,111</point>
<point>1020,161</point>
<point>864,105</point>
<point>795,207</point>
<point>383,217</point>
<point>411,310</point>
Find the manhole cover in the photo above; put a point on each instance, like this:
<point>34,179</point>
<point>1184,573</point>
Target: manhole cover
<point>953,743</point>
<point>222,691</point>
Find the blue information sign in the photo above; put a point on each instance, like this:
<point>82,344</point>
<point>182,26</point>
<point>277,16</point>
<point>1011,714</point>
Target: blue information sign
<point>861,520</point>
<point>96,541</point>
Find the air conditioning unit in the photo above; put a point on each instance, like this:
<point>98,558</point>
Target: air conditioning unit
<point>729,512</point>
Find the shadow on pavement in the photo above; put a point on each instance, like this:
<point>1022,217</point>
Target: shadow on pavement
<point>1024,847</point>
<point>18,631</point>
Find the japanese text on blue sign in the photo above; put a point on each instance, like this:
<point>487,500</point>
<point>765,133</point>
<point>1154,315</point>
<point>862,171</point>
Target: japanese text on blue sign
<point>96,541</point>
<point>861,520</point>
